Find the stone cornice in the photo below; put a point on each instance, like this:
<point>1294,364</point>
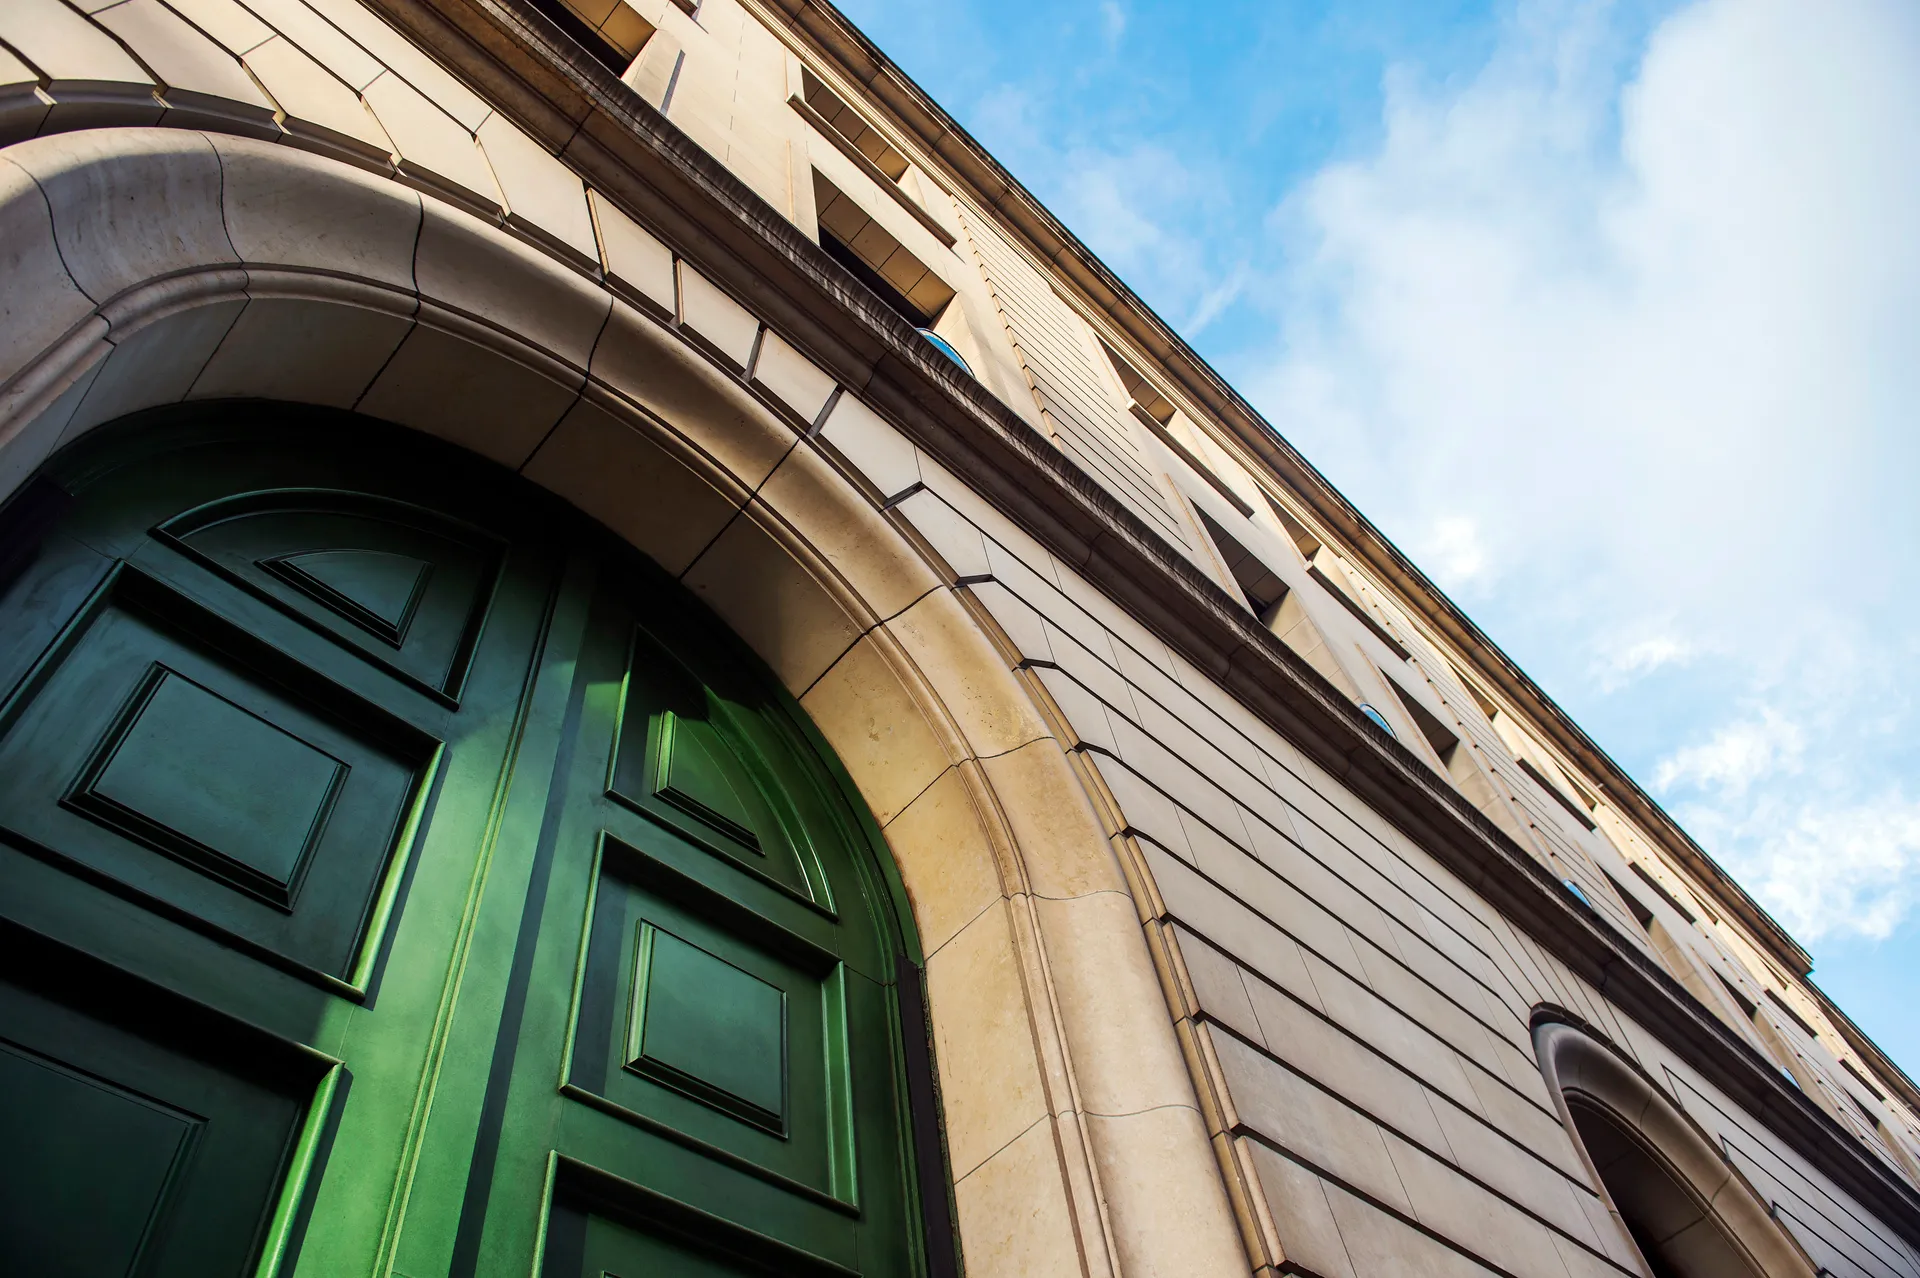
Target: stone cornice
<point>632,154</point>
<point>984,182</point>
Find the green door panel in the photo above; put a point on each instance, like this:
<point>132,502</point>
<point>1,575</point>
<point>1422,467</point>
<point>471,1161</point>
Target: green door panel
<point>406,587</point>
<point>602,1228</point>
<point>399,877</point>
<point>139,1138</point>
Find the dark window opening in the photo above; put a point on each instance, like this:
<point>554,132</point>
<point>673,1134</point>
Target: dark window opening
<point>1676,1232</point>
<point>1660,890</point>
<point>1263,590</point>
<point>1635,906</point>
<point>614,40</point>
<point>1792,1015</point>
<point>895,300</point>
<point>1863,1080</point>
<point>1559,795</point>
<point>1745,1004</point>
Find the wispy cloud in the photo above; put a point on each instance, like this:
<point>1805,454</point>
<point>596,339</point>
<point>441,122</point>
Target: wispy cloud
<point>1624,661</point>
<point>1651,313</point>
<point>1735,757</point>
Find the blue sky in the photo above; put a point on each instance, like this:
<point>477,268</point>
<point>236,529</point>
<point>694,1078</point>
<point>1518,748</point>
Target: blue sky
<point>1608,314</point>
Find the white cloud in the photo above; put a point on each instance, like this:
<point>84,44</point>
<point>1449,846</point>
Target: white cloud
<point>1623,661</point>
<point>1734,757</point>
<point>1849,870</point>
<point>1455,553</point>
<point>1113,21</point>
<point>1652,315</point>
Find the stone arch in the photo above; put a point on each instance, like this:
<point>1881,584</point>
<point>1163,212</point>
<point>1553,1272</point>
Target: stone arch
<point>1685,1207</point>
<point>140,267</point>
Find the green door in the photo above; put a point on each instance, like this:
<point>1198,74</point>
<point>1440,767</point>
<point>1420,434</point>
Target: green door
<point>398,877</point>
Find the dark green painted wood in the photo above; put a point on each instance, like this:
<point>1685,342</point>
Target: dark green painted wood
<point>512,902</point>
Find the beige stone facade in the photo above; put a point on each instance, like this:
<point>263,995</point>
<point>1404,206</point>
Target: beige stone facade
<point>1224,978</point>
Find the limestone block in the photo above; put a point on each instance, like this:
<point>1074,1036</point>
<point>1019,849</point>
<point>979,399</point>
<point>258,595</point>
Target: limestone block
<point>888,748</point>
<point>878,451</point>
<point>14,72</point>
<point>633,485</point>
<point>1263,948</point>
<point>468,266</point>
<point>38,299</point>
<point>130,204</point>
<point>1063,849</point>
<point>1470,1216</point>
<point>1298,1201</point>
<point>941,637</point>
<point>1515,1171</point>
<point>341,346</point>
<point>1144,809</point>
<point>951,537</point>
<point>286,208</point>
<point>1297,1116</point>
<point>990,1079</point>
<point>872,559</point>
<point>791,379</point>
<point>1022,626</point>
<point>451,381</point>
<point>434,148</point>
<point>70,51</point>
<point>1013,1212</point>
<point>1091,670</point>
<point>158,363</point>
<point>1169,1210</point>
<point>1086,719</point>
<point>754,578</point>
<point>408,60</point>
<point>635,262</point>
<point>232,26</point>
<point>726,329</point>
<point>643,362</point>
<point>654,71</point>
<point>544,197</point>
<point>1378,1243</point>
<point>319,40</point>
<point>318,107</point>
<point>1126,1059</point>
<point>201,80</point>
<point>945,857</point>
<point>1343,1065</point>
<point>1278,901</point>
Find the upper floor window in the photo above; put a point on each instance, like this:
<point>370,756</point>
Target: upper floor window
<point>850,235</point>
<point>1378,720</point>
<point>945,347</point>
<point>610,30</point>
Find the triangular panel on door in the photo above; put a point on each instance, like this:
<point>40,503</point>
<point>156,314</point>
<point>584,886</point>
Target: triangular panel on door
<point>377,590</point>
<point>407,588</point>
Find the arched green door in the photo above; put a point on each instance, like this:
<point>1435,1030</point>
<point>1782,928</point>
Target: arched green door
<point>396,876</point>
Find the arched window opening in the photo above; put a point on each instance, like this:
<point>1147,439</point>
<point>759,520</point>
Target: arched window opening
<point>1675,1232</point>
<point>1687,1211</point>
